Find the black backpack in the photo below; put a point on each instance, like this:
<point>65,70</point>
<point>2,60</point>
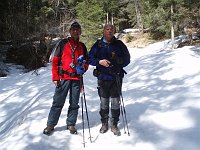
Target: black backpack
<point>62,44</point>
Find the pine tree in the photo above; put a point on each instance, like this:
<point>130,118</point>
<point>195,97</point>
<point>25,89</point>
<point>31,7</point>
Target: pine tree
<point>91,20</point>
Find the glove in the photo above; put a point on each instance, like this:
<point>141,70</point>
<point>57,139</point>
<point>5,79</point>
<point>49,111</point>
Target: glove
<point>80,61</point>
<point>80,70</point>
<point>80,65</point>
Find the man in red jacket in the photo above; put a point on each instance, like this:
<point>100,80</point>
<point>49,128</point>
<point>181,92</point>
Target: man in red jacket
<point>69,63</point>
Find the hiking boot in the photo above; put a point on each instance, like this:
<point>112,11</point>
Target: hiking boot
<point>104,128</point>
<point>48,130</point>
<point>115,130</point>
<point>72,129</point>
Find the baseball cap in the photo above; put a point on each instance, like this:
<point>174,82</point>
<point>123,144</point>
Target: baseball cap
<point>75,24</point>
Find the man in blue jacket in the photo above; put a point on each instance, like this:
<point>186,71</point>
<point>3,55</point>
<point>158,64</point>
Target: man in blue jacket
<point>109,55</point>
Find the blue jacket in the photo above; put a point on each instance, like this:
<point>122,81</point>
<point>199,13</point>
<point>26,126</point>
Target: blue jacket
<point>116,52</point>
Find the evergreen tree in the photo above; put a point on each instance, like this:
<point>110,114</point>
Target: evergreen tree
<point>91,20</point>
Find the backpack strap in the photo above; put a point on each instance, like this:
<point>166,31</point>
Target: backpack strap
<point>58,49</point>
<point>85,52</point>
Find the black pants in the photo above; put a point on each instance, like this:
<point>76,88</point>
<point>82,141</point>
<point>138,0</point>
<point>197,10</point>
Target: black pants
<point>109,92</point>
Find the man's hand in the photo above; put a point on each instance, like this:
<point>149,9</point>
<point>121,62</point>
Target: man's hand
<point>56,83</point>
<point>104,62</point>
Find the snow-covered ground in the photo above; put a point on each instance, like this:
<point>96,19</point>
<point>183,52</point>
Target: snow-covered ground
<point>160,92</point>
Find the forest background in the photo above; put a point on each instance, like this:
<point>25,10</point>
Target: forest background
<point>23,22</point>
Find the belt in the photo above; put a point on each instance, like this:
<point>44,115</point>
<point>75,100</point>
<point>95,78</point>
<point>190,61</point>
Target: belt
<point>71,74</point>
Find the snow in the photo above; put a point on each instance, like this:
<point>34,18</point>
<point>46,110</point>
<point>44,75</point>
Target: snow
<point>131,30</point>
<point>160,93</point>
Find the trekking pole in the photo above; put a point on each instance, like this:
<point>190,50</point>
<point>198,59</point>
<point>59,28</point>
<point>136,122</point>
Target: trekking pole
<point>121,109</point>
<point>83,91</point>
<point>122,101</point>
<point>82,116</point>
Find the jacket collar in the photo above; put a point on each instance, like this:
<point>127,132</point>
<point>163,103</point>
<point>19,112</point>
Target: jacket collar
<point>104,40</point>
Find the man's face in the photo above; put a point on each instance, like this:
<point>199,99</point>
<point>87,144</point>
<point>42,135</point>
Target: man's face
<point>108,32</point>
<point>75,33</point>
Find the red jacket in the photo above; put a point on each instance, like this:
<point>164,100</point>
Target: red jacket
<point>63,58</point>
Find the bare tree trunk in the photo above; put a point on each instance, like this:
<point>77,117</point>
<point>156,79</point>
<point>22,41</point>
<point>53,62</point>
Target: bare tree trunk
<point>112,19</point>
<point>138,14</point>
<point>107,17</point>
<point>28,12</point>
<point>58,2</point>
<point>172,26</point>
<point>198,19</point>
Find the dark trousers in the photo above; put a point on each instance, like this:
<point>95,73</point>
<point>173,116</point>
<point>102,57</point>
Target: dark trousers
<point>73,86</point>
<point>109,92</point>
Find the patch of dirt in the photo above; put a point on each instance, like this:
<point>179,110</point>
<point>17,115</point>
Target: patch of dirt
<point>141,40</point>
<point>138,40</point>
